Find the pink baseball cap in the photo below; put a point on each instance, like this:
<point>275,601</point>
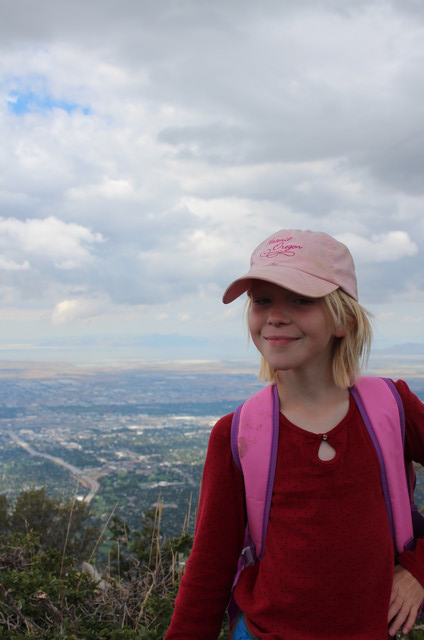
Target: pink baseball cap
<point>312,263</point>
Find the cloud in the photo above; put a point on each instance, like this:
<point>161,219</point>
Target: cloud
<point>413,319</point>
<point>387,247</point>
<point>66,245</point>
<point>43,258</point>
<point>10,265</point>
<point>77,309</point>
<point>148,148</point>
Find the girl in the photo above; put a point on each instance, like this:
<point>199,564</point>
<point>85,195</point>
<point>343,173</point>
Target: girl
<point>327,572</point>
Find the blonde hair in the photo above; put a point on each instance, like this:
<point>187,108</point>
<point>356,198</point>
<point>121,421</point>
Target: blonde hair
<point>350,352</point>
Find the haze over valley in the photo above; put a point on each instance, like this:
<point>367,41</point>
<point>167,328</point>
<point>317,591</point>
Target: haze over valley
<point>124,436</point>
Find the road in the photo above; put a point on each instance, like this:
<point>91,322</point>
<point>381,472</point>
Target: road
<point>85,478</point>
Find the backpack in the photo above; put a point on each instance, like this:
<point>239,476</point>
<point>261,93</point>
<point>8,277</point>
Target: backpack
<point>254,443</point>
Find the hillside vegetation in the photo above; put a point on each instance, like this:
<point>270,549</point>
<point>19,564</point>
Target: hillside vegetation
<point>66,575</point>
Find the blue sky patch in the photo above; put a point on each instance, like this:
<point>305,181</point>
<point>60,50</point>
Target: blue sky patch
<point>28,102</point>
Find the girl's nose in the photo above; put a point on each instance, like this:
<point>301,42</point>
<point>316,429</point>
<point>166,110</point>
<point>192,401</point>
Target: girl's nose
<point>278,314</point>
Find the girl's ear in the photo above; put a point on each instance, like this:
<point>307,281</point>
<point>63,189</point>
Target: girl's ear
<point>340,331</point>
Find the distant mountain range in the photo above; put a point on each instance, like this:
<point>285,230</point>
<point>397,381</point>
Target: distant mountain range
<point>406,349</point>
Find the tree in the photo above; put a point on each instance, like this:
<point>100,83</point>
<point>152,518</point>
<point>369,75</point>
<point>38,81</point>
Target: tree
<point>4,516</point>
<point>55,522</point>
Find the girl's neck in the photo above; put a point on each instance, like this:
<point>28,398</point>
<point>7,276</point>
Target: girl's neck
<point>316,405</point>
<point>306,384</point>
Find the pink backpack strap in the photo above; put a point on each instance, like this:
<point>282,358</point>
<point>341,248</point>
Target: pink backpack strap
<point>382,412</point>
<point>254,443</point>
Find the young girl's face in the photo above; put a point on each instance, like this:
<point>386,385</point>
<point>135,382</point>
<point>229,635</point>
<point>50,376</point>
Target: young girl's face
<point>291,331</point>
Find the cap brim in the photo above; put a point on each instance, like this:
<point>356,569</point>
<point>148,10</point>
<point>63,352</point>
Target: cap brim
<point>292,279</point>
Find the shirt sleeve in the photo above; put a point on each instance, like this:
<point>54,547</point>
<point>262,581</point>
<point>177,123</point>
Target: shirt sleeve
<point>206,585</point>
<point>413,561</point>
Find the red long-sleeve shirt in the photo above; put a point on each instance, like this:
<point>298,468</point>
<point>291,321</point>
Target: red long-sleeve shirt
<point>328,564</point>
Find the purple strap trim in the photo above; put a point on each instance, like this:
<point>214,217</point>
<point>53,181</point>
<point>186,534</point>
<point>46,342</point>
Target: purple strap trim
<point>272,464</point>
<point>234,436</point>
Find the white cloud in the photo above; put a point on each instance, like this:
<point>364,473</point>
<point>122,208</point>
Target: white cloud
<point>10,265</point>
<point>385,247</point>
<point>413,319</point>
<point>77,309</point>
<point>109,188</point>
<point>66,245</point>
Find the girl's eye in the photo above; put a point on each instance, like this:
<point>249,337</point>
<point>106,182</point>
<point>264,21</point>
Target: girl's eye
<point>304,301</point>
<point>260,301</point>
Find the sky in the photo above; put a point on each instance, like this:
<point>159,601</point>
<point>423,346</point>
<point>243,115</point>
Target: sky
<point>147,147</point>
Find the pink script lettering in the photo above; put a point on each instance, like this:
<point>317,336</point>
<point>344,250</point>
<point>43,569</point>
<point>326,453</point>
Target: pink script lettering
<point>280,247</point>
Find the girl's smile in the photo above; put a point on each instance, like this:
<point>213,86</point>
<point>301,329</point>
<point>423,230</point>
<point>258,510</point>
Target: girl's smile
<point>279,340</point>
